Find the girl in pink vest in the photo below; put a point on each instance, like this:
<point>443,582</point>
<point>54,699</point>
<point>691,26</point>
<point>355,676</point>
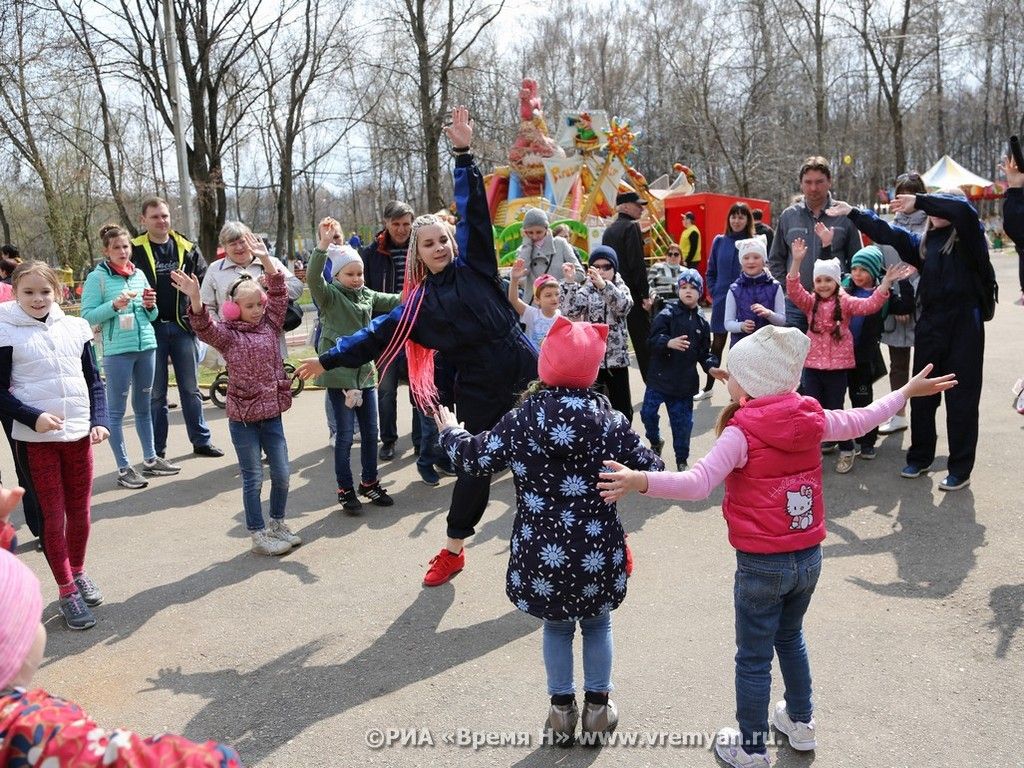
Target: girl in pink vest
<point>829,311</point>
<point>769,457</point>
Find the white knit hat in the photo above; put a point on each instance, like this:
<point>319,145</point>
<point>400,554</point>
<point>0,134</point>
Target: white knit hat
<point>757,244</point>
<point>829,268</point>
<point>341,256</point>
<point>769,361</point>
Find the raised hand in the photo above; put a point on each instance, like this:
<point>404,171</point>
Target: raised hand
<point>460,132</point>
<point>922,386</point>
<point>1014,175</point>
<point>328,230</point>
<point>824,233</point>
<point>256,247</point>
<point>838,208</point>
<point>798,249</point>
<point>895,273</point>
<point>568,272</point>
<point>903,204</point>
<point>186,283</point>
<point>595,278</point>
<point>519,270</point>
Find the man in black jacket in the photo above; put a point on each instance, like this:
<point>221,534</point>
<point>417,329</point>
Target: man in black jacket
<point>158,251</point>
<point>623,235</point>
<point>1013,216</point>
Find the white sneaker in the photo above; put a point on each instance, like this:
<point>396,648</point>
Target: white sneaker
<point>727,747</point>
<point>704,394</point>
<point>845,463</point>
<point>895,424</point>
<point>265,544</point>
<point>801,735</point>
<point>332,440</point>
<point>278,529</point>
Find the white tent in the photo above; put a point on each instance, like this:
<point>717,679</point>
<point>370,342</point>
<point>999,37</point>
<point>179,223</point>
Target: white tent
<point>949,173</point>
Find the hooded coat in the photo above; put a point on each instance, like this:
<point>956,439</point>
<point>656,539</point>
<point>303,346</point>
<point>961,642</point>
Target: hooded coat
<point>567,547</point>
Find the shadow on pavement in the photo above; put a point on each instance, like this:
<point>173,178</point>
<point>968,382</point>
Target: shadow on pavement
<point>1007,604</point>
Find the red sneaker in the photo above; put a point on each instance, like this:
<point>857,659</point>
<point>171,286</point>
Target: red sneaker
<point>629,560</point>
<point>443,566</point>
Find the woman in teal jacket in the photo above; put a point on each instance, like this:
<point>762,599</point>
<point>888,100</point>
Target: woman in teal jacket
<point>118,299</point>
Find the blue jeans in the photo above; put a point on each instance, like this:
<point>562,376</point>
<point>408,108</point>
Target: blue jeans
<point>332,423</point>
<point>430,448</point>
<point>771,596</point>
<point>680,418</point>
<point>134,370</point>
<point>251,439</point>
<point>180,345</point>
<point>346,417</point>
<point>597,654</point>
<point>829,389</point>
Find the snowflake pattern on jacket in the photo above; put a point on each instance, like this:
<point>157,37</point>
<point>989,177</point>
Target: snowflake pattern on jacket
<point>37,729</point>
<point>567,547</point>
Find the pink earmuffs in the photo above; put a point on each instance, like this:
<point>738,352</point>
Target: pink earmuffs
<point>230,310</point>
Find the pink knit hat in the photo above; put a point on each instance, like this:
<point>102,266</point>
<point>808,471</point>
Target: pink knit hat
<point>21,608</point>
<point>541,281</point>
<point>571,353</point>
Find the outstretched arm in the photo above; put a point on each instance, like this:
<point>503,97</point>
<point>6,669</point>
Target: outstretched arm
<point>473,233</point>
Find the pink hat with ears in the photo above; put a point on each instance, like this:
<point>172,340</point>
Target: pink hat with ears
<point>21,608</point>
<point>571,353</point>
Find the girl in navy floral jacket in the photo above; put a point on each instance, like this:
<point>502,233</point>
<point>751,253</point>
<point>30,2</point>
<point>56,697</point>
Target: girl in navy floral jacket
<point>568,561</point>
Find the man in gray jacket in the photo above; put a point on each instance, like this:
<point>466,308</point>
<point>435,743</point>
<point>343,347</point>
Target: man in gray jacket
<point>798,221</point>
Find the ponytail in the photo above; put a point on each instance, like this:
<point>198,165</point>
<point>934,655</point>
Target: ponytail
<point>724,416</point>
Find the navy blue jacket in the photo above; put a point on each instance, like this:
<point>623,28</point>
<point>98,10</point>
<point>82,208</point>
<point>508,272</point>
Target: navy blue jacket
<point>465,314</point>
<point>1013,217</point>
<point>947,279</point>
<point>672,372</point>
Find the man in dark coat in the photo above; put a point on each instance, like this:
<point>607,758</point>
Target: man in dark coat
<point>623,235</point>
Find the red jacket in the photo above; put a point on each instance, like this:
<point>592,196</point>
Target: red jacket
<point>774,502</point>
<point>257,386</point>
<point>827,353</point>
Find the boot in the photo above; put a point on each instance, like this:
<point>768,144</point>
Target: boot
<point>599,713</point>
<point>562,720</point>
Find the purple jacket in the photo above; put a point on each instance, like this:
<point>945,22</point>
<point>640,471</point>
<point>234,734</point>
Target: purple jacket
<point>257,387</point>
<point>747,291</point>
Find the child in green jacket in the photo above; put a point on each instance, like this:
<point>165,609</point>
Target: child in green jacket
<point>346,306</point>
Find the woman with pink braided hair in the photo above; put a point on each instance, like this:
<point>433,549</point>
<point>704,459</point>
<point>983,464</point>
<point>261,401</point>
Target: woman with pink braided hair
<point>453,302</point>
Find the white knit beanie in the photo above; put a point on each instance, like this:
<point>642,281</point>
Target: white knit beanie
<point>829,268</point>
<point>769,361</point>
<point>757,244</point>
<point>341,256</point>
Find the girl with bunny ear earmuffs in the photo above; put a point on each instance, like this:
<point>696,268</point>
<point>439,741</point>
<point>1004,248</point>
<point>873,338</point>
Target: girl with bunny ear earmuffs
<point>230,310</point>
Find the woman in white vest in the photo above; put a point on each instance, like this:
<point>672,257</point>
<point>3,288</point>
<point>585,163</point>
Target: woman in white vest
<point>50,386</point>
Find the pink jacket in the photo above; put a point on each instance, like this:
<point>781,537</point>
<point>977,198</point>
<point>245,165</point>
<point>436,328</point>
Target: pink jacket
<point>257,386</point>
<point>766,512</point>
<point>828,354</point>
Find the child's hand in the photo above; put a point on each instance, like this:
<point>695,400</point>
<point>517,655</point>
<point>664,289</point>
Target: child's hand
<point>903,204</point>
<point>47,422</point>
<point>719,374</point>
<point>460,132</point>
<point>760,310</point>
<point>519,270</point>
<point>328,230</point>
<point>824,233</point>
<point>187,284</point>
<point>569,272</point>
<point>445,419</point>
<point>895,273</point>
<point>748,326</point>
<point>799,250</point>
<point>98,434</point>
<point>1014,175</point>
<point>838,208</point>
<point>9,499</point>
<point>595,278</point>
<point>679,342</point>
<point>922,386</point>
<point>619,481</point>
<point>309,368</point>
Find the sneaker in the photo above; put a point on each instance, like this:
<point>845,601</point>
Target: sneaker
<point>912,470</point>
<point>657,445</point>
<point>954,483</point>
<point>443,566</point>
<point>561,722</point>
<point>827,448</point>
<point>387,452</point>
<point>800,735</point>
<point>129,478</point>
<point>895,424</point>
<point>76,613</point>
<point>445,468</point>
<point>428,475</point>
<point>866,453</point>
<point>159,467</point>
<point>704,394</point>
<point>681,466</point>
<point>280,530</point>
<point>845,463</point>
<point>599,717</point>
<point>88,589</point>
<point>265,544</point>
<point>377,495</point>
<point>208,450</point>
<point>332,440</point>
<point>349,501</point>
<point>727,747</point>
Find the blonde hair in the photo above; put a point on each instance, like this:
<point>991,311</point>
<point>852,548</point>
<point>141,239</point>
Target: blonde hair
<point>40,268</point>
<point>246,288</point>
<point>724,416</point>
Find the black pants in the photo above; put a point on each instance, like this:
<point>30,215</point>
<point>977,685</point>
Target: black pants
<point>614,382</point>
<point>29,502</point>
<point>952,340</point>
<point>638,322</point>
<point>828,387</point>
<point>861,395</point>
